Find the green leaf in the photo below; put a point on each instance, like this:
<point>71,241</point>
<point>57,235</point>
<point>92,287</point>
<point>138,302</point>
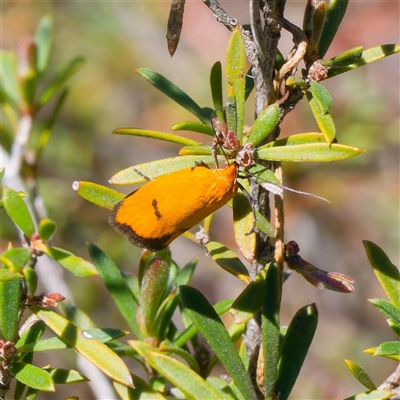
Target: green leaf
<point>43,42</point>
<point>181,376</point>
<point>368,56</point>
<point>389,350</point>
<point>359,373</point>
<point>295,346</point>
<point>67,72</point>
<point>228,260</point>
<point>96,352</point>
<point>154,169</point>
<point>243,225</point>
<point>312,152</point>
<point>153,287</point>
<point>168,347</point>
<point>197,151</point>
<point>388,275</point>
<point>220,308</point>
<point>213,330</point>
<point>46,229</point>
<point>334,15</point>
<point>116,285</point>
<point>346,58</point>
<point>10,303</point>
<point>216,89</point>
<point>174,92</point>
<point>193,126</point>
<point>31,279</point>
<point>76,315</point>
<point>99,195</point>
<point>324,119</point>
<point>374,395</point>
<point>9,80</point>
<point>389,311</point>
<point>264,225</point>
<point>250,301</point>
<point>168,137</point>
<point>18,211</point>
<point>6,275</point>
<point>321,96</point>
<point>76,265</point>
<point>63,376</point>
<point>2,172</point>
<point>32,376</point>
<point>142,390</point>
<point>264,124</point>
<point>296,81</point>
<point>236,76</point>
<point>249,83</point>
<point>270,328</point>
<point>16,259</point>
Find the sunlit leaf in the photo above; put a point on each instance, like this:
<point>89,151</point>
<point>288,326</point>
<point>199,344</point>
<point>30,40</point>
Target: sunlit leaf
<point>10,301</point>
<point>236,76</point>
<point>16,259</point>
<point>46,229</point>
<point>209,324</point>
<point>18,211</point>
<point>360,374</point>
<point>180,375</point>
<point>168,137</point>
<point>32,376</point>
<point>193,126</point>
<point>334,15</point>
<point>264,124</point>
<point>387,273</point>
<point>310,152</point>
<point>227,260</point>
<point>96,352</point>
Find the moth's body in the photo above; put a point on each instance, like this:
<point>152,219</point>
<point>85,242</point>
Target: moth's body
<point>157,213</point>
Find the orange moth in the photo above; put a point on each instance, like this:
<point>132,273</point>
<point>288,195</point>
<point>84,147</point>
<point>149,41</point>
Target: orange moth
<point>158,212</point>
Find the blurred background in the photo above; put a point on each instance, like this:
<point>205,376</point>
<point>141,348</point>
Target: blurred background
<point>118,37</point>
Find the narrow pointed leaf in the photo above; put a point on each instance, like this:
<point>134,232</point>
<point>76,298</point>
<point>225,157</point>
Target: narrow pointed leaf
<point>193,126</point>
<point>196,151</point>
<point>324,119</point>
<point>96,352</point>
<point>18,211</point>
<point>216,86</point>
<point>236,76</point>
<point>213,330</point>
<point>346,58</point>
<point>168,137</point>
<point>334,15</point>
<point>142,391</point>
<point>32,376</point>
<point>368,56</point>
<point>388,310</point>
<point>68,71</point>
<point>231,111</point>
<point>168,347</point>
<point>154,169</point>
<point>321,96</point>
<point>6,275</point>
<point>388,275</point>
<point>270,328</point>
<point>76,265</point>
<point>43,42</point>
<point>250,301</point>
<point>174,92</point>
<point>243,225</point>
<point>360,374</point>
<point>180,375</point>
<point>10,302</point>
<point>264,124</point>
<point>116,285</point>
<point>76,316</point>
<point>264,225</point>
<point>313,152</point>
<point>389,350</point>
<point>295,346</point>
<point>228,260</point>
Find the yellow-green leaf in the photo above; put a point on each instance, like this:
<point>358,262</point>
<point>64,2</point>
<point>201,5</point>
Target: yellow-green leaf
<point>99,195</point>
<point>96,352</point>
<point>169,137</point>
